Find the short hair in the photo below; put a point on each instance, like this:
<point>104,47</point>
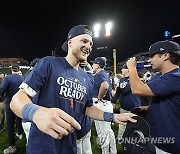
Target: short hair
<point>175,58</point>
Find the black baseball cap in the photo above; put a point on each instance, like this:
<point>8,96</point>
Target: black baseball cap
<point>101,61</point>
<point>15,67</point>
<point>140,131</point>
<point>141,125</point>
<point>163,47</point>
<point>75,31</point>
<point>124,66</point>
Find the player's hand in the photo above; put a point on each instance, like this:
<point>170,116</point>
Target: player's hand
<point>83,64</point>
<point>55,122</point>
<point>123,118</point>
<point>144,108</point>
<point>131,62</point>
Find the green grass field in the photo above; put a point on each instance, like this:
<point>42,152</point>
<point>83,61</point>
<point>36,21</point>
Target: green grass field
<point>20,144</point>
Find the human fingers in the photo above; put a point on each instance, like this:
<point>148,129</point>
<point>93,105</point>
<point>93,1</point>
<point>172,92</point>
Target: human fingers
<point>124,117</point>
<point>131,61</point>
<point>69,119</point>
<point>83,64</point>
<point>122,123</point>
<point>59,129</point>
<point>65,125</point>
<point>130,117</point>
<point>54,134</point>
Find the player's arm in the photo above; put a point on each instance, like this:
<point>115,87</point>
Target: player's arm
<point>103,90</point>
<point>137,86</point>
<point>52,121</point>
<point>97,114</point>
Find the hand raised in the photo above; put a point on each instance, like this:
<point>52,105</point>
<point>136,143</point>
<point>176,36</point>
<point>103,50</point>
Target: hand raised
<point>131,62</point>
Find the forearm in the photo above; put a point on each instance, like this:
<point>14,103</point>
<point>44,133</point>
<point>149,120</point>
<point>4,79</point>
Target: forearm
<point>102,90</point>
<point>97,114</point>
<point>94,113</point>
<point>101,94</point>
<point>135,82</point>
<point>19,100</point>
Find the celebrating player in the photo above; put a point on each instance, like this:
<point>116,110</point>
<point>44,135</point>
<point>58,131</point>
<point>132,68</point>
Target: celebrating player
<point>64,94</point>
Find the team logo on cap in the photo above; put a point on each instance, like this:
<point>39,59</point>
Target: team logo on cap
<point>161,49</point>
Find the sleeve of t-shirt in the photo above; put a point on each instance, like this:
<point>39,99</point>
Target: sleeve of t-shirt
<point>37,78</point>
<point>101,78</point>
<point>91,84</point>
<point>165,85</point>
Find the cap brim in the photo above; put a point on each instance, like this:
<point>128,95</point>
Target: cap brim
<point>64,46</point>
<point>92,61</point>
<point>145,54</point>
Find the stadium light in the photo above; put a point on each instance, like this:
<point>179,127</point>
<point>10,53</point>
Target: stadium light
<point>96,30</point>
<point>108,27</point>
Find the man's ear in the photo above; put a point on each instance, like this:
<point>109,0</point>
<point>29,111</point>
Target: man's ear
<point>69,42</point>
<point>166,56</point>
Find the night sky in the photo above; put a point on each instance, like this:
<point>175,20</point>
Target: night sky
<point>34,28</point>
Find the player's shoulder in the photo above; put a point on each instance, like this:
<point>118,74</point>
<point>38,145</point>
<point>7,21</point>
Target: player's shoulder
<point>103,73</point>
<point>50,60</point>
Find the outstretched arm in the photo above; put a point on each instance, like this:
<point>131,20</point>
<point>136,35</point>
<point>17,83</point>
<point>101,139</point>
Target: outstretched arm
<point>52,121</point>
<point>97,114</point>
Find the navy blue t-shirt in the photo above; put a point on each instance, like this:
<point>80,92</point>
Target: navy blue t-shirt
<point>10,85</point>
<point>128,101</point>
<point>99,78</point>
<point>58,85</point>
<point>164,112</point>
<point>86,122</point>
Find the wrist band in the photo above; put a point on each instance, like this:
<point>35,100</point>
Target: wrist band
<point>29,110</point>
<point>109,117</point>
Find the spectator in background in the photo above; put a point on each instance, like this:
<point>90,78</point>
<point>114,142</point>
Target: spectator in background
<point>128,101</point>
<point>2,110</point>
<point>163,114</point>
<point>10,86</point>
<point>102,95</point>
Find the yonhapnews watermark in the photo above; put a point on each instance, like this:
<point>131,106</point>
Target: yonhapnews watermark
<point>155,140</point>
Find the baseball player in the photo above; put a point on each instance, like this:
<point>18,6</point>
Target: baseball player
<point>83,141</point>
<point>128,101</point>
<point>64,96</point>
<point>163,113</point>
<point>102,95</point>
<point>10,86</point>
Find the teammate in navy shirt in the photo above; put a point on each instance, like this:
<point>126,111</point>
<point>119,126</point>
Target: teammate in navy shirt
<point>128,101</point>
<point>64,95</point>
<point>102,95</point>
<point>163,116</point>
<point>83,141</point>
<point>10,86</point>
